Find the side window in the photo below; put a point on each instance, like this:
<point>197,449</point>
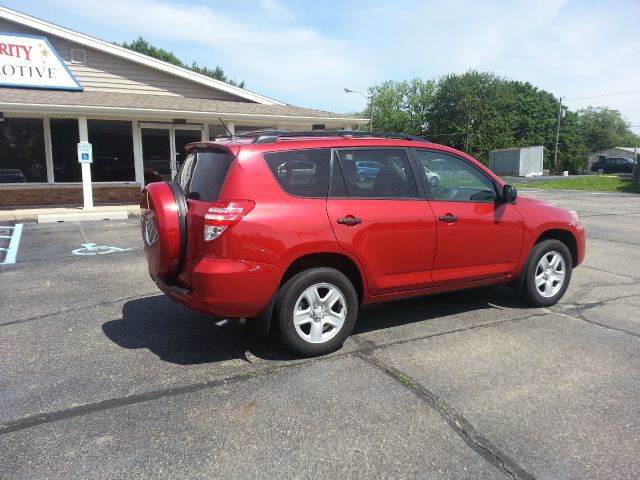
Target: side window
<point>453,179</point>
<point>374,173</point>
<point>303,173</point>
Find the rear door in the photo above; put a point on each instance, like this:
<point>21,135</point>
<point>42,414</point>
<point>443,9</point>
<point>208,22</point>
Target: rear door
<point>381,219</point>
<point>477,236</point>
<point>201,177</point>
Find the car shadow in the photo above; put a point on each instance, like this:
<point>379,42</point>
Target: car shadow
<point>420,309</point>
<point>178,335</point>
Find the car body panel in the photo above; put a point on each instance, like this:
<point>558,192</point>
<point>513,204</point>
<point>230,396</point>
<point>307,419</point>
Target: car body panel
<point>395,243</point>
<point>485,242</point>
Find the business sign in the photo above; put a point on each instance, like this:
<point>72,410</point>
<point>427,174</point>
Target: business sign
<point>85,152</point>
<point>31,62</point>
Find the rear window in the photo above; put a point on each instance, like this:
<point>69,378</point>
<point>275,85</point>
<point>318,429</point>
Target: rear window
<point>303,173</point>
<point>202,175</point>
<point>374,173</point>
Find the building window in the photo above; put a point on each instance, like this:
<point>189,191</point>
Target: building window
<point>112,151</point>
<point>217,131</point>
<point>22,157</point>
<point>64,141</point>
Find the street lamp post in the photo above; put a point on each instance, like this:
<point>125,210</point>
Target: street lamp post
<point>369,99</point>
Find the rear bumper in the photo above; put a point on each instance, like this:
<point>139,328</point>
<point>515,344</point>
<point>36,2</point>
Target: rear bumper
<point>226,288</point>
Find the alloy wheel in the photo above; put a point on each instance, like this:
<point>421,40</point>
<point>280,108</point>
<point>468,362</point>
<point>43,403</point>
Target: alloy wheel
<point>319,313</point>
<point>550,274</point>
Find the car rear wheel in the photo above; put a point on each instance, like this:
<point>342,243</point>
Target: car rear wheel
<point>547,274</point>
<point>600,171</point>
<point>316,311</point>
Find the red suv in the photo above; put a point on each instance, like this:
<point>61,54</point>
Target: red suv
<point>281,227</point>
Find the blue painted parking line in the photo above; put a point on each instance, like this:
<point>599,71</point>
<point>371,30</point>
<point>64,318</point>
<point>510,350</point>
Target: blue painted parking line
<point>14,242</point>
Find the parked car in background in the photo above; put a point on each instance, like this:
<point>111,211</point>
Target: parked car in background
<point>366,169</point>
<point>613,165</point>
<point>283,231</point>
<point>432,177</point>
<point>12,175</point>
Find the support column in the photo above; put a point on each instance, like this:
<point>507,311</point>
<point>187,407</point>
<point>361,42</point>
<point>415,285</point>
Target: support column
<point>87,191</point>
<point>48,149</point>
<point>137,153</point>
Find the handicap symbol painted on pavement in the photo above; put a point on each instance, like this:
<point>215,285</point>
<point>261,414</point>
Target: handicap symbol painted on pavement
<point>93,249</point>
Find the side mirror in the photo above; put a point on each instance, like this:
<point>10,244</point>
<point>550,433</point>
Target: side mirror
<point>509,194</point>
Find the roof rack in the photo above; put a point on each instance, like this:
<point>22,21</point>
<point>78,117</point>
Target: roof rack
<point>272,136</point>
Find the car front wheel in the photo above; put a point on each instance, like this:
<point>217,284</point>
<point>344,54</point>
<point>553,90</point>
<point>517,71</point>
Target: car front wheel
<point>546,274</point>
<point>316,311</point>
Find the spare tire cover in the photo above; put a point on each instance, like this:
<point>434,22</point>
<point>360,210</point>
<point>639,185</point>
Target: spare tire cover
<point>163,224</point>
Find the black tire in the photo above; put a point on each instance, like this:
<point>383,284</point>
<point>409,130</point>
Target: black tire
<point>530,293</point>
<point>183,208</point>
<point>291,293</point>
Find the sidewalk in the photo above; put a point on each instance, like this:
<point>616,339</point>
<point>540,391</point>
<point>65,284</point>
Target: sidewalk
<point>61,214</point>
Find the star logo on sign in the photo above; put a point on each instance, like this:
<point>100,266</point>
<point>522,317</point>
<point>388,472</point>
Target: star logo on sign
<point>45,52</point>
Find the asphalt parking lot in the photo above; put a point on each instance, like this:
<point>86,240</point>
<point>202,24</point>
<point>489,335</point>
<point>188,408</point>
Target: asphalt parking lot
<point>103,377</point>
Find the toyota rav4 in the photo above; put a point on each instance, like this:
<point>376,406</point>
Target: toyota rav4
<point>282,228</point>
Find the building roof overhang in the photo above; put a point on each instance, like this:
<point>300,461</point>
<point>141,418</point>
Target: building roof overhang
<point>154,106</point>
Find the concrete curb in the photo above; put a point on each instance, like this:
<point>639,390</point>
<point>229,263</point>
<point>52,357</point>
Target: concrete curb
<point>43,215</point>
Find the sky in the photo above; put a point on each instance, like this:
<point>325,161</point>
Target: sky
<point>306,52</point>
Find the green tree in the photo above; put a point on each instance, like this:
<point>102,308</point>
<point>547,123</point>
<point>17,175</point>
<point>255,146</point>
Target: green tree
<point>465,112</point>
<point>142,46</point>
<point>402,106</point>
<point>478,112</point>
<point>602,128</point>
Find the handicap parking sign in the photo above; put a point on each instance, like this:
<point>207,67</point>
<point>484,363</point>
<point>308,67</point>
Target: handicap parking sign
<point>85,153</point>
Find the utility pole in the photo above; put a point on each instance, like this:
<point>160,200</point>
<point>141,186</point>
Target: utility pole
<point>555,154</point>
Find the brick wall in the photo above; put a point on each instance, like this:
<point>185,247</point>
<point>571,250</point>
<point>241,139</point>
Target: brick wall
<point>57,195</point>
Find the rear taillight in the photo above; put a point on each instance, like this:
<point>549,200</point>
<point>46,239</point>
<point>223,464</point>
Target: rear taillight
<point>224,214</point>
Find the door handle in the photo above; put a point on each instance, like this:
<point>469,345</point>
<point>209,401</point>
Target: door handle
<point>349,221</point>
<point>448,218</point>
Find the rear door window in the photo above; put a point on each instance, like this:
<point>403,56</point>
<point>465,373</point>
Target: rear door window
<point>374,173</point>
<point>202,175</point>
<point>302,173</point>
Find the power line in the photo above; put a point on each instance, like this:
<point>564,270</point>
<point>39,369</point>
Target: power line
<point>604,95</point>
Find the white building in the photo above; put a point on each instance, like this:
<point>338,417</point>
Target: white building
<point>59,87</point>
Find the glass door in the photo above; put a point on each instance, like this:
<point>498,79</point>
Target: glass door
<point>163,149</point>
<point>156,154</point>
<point>182,137</point>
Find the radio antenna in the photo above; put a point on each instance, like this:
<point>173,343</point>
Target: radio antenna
<point>225,127</point>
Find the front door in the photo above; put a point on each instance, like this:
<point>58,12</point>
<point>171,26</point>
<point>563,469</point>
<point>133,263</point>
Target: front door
<point>378,217</point>
<point>477,236</point>
<point>163,149</point>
